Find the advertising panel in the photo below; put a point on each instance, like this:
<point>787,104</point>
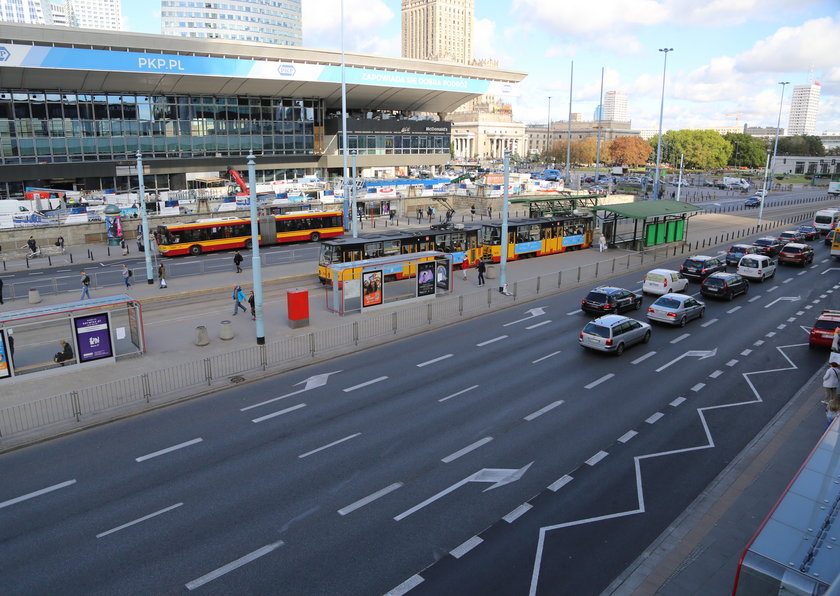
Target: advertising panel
<point>93,336</point>
<point>442,275</point>
<point>372,288</point>
<point>5,369</point>
<point>426,279</point>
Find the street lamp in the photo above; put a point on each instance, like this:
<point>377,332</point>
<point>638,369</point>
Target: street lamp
<point>778,124</point>
<point>548,131</point>
<point>569,127</point>
<point>659,138</point>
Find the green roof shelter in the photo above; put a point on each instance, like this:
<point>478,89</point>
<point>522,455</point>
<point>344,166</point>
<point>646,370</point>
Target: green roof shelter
<point>642,224</point>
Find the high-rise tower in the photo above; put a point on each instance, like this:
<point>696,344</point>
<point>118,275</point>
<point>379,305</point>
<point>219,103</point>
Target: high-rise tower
<point>94,14</point>
<point>615,106</point>
<point>264,21</point>
<point>804,106</point>
<point>439,30</point>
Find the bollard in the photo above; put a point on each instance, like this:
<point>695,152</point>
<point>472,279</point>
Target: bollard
<point>34,296</point>
<point>225,330</point>
<point>201,336</point>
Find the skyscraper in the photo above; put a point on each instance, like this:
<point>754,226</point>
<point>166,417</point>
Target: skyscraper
<point>804,106</point>
<point>438,30</point>
<point>276,22</point>
<point>33,12</point>
<point>615,106</point>
<point>95,14</point>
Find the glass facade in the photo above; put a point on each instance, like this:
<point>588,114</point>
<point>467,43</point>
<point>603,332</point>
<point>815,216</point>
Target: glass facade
<point>73,126</point>
<point>389,144</point>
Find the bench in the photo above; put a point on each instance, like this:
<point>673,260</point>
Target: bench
<point>40,366</point>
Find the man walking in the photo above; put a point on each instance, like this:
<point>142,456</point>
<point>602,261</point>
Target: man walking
<point>162,275</point>
<point>237,260</point>
<point>238,298</point>
<point>481,268</point>
<point>85,285</point>
<point>126,274</point>
<point>602,243</point>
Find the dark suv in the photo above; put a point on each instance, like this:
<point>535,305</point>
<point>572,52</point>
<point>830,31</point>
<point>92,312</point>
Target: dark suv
<point>724,285</point>
<point>769,246</point>
<point>697,268</point>
<point>797,254</point>
<point>736,251</point>
<point>608,300</point>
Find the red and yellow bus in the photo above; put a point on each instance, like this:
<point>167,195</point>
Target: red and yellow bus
<point>235,233</point>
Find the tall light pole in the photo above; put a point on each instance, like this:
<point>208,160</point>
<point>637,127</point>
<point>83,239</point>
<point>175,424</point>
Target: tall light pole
<point>344,125</point>
<point>776,142</point>
<point>659,138</point>
<point>504,239</point>
<point>600,117</point>
<point>569,130</point>
<point>548,131</point>
<point>147,246</point>
<point>256,267</point>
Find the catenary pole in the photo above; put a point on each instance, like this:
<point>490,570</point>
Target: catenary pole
<point>255,249</point>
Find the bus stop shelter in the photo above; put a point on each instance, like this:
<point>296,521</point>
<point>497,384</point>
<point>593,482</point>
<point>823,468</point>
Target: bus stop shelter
<point>563,203</point>
<point>43,338</point>
<point>643,224</point>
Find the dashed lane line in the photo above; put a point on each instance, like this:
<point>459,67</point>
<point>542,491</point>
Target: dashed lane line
<point>655,418</point>
<point>596,458</point>
<point>517,513</point>
<point>490,341</point>
<point>408,585</point>
<point>464,548</point>
<point>560,483</point>
<point>680,338</point>
<point>365,384</point>
<point>461,452</point>
<point>546,357</point>
<point>758,342</point>
<point>627,436</point>
<point>788,280</point>
<point>677,402</point>
<point>643,358</point>
<point>540,324</point>
<point>715,374</point>
<point>204,579</point>
<point>733,309</point>
<point>770,334</point>
<point>37,493</point>
<point>732,362</point>
<point>168,450</point>
<point>754,298</point>
<point>369,499</point>
<point>457,393</point>
<point>597,382</point>
<point>434,360</point>
<point>773,288</point>
<point>139,520</point>
<point>327,446</point>
<point>275,414</point>
<point>698,387</point>
<point>709,322</point>
<point>542,411</point>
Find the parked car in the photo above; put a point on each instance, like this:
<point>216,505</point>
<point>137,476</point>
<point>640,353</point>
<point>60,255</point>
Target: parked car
<point>614,333</point>
<point>760,193</point>
<point>797,254</point>
<point>753,202</point>
<point>767,245</point>
<point>809,232</point>
<point>676,309</point>
<point>758,267</point>
<point>663,281</point>
<point>789,236</point>
<point>606,300</point>
<point>698,267</point>
<point>724,285</point>
<point>736,251</point>
<point>822,333</point>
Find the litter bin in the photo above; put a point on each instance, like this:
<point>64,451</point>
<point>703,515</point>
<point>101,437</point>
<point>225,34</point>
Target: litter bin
<point>202,338</point>
<point>297,301</point>
<point>491,272</point>
<point>34,296</point>
<point>225,330</point>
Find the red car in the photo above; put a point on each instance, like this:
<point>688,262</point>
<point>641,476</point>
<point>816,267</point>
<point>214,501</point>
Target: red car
<point>822,333</point>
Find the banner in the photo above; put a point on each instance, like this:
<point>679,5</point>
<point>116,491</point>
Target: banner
<point>93,336</point>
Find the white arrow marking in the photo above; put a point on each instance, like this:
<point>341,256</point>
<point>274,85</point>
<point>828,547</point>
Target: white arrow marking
<point>498,476</point>
<point>788,298</point>
<point>534,312</point>
<point>702,354</point>
<point>310,383</point>
<point>831,269</point>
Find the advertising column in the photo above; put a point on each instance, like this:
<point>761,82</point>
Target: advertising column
<point>93,337</point>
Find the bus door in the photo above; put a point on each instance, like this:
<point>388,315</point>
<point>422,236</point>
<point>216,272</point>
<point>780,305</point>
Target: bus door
<point>268,230</point>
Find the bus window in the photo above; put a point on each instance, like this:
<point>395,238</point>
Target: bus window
<point>491,235</point>
<point>373,250</point>
<point>391,247</point>
<point>327,254</point>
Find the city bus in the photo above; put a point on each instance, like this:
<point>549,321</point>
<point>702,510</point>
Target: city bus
<point>235,233</point>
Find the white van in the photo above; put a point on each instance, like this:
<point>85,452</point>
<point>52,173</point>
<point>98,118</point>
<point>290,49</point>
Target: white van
<point>12,207</point>
<point>826,219</point>
<point>663,281</point>
<point>758,267</point>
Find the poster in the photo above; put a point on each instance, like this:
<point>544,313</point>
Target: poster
<point>113,226</point>
<point>93,336</point>
<point>5,369</point>
<point>426,278</point>
<point>442,275</point>
<point>372,288</point>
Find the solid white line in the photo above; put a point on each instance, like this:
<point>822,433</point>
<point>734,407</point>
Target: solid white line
<point>597,382</point>
<point>709,322</point>
<point>788,280</point>
<point>460,551</point>
<point>758,342</point>
<point>137,521</point>
<point>37,493</point>
<point>643,358</point>
<point>781,326</point>
<point>545,357</point>
<point>715,374</point>
<point>280,413</point>
<point>334,443</point>
<point>517,513</point>
<point>168,450</point>
<point>653,419</point>
<point>197,583</point>
<point>733,309</point>
<point>596,458</point>
<point>428,362</point>
<point>680,338</point>
<point>773,288</point>
<point>560,483</point>
<point>542,411</point>
<point>408,585</point>
<point>677,402</point>
<point>770,334</point>
<point>365,384</point>
<point>458,393</point>
<point>732,362</point>
<point>540,324</point>
<point>754,298</point>
<point>467,449</point>
<point>369,499</point>
<point>698,387</point>
<point>627,436</point>
<point>490,341</point>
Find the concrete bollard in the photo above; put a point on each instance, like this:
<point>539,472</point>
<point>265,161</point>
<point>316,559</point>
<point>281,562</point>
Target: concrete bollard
<point>226,330</point>
<point>202,338</point>
<point>34,296</point>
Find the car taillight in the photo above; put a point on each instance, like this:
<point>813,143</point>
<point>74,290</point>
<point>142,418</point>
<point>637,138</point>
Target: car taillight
<point>672,314</point>
<point>581,334</point>
<point>607,306</point>
<point>583,301</point>
<point>609,342</point>
<point>702,271</point>
<point>665,284</point>
<point>650,310</point>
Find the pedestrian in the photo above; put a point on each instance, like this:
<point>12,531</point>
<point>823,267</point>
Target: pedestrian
<point>465,264</point>
<point>831,379</point>
<point>162,275</point>
<point>429,212</point>
<point>602,243</point>
<point>419,214</point>
<point>835,341</point>
<point>237,261</point>
<point>85,279</point>
<point>482,268</point>
<point>253,303</point>
<point>126,274</point>
<point>832,411</point>
<point>65,354</point>
<point>60,243</point>
<point>1,291</point>
<point>472,210</point>
<point>490,212</point>
<point>124,246</point>
<point>33,246</point>
<point>391,215</point>
<point>238,298</point>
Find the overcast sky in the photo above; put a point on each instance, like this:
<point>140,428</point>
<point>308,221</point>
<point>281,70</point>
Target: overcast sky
<point>728,58</point>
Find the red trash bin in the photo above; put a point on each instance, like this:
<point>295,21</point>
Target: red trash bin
<point>297,300</point>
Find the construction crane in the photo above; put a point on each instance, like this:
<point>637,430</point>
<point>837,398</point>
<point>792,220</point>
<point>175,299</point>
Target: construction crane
<point>737,116</point>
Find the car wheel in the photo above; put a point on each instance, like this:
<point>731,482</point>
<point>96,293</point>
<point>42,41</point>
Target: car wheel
<point>315,236</point>
<point>730,296</point>
<point>763,277</point>
<point>682,322</point>
<point>646,338</point>
<point>702,313</point>
<point>619,349</point>
<point>638,304</point>
<point>248,244</point>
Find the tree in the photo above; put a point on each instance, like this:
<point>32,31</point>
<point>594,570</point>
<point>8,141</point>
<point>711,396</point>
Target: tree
<point>747,150</point>
<point>630,151</point>
<point>801,145</point>
<point>703,149</point>
<point>583,151</point>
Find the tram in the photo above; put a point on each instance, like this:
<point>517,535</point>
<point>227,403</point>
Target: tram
<point>537,237</point>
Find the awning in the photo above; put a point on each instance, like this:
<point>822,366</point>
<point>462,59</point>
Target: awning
<point>646,209</point>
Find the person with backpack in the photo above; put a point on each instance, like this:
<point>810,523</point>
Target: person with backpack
<point>126,274</point>
<point>482,269</point>
<point>238,298</point>
<point>85,279</point>
<point>237,261</point>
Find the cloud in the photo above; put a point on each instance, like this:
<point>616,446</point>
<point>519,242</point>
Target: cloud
<point>815,43</point>
<point>484,39</point>
<point>593,16</point>
<point>322,26</point>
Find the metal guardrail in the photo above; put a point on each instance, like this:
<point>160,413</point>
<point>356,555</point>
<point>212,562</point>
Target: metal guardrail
<point>108,401</point>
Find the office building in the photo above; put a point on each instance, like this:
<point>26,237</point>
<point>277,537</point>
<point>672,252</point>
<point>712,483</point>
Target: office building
<point>276,22</point>
<point>615,106</point>
<point>60,16</point>
<point>804,106</point>
<point>33,12</point>
<point>438,30</point>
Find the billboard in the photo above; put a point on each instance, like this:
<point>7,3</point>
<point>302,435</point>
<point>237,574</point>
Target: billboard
<point>372,288</point>
<point>93,337</point>
<point>426,278</point>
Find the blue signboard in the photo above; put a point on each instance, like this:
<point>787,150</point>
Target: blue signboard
<point>573,240</point>
<point>523,247</point>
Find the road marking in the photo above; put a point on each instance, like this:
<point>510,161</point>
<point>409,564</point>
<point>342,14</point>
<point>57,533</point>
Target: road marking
<point>438,359</point>
<point>754,298</point>
<point>560,483</point>
<point>141,519</point>
<point>369,499</point>
<point>574,312</point>
<point>643,358</point>
<point>733,309</point>
<point>791,319</point>
<point>758,342</point>
<point>715,374</point>
<point>746,352</point>
<point>596,458</point>
<point>823,261</point>
<point>654,418</point>
<point>677,402</point>
<point>37,493</point>
<point>168,450</point>
<point>680,338</point>
<point>802,273</point>
<point>597,382</point>
<point>517,513</point>
<point>540,324</point>
<point>823,296</point>
<point>709,322</point>
<point>770,334</point>
<point>408,585</point>
<point>197,583</point>
<point>781,326</point>
<point>788,280</point>
<point>545,357</point>
<point>773,288</point>
<point>698,387</point>
<point>458,393</point>
<point>542,411</point>
<point>365,384</point>
<point>275,414</point>
<point>466,547</point>
<point>815,302</point>
<point>808,307</point>
<point>467,449</point>
<point>732,362</point>
<point>490,341</point>
<point>799,313</point>
<point>333,444</point>
<point>627,436</point>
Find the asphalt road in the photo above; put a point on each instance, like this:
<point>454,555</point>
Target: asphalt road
<point>356,475</point>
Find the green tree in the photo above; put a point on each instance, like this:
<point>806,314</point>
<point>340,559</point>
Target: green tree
<point>801,145</point>
<point>747,150</point>
<point>703,149</point>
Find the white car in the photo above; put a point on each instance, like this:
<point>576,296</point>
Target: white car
<point>675,309</point>
<point>758,267</point>
<point>663,281</point>
<point>760,194</point>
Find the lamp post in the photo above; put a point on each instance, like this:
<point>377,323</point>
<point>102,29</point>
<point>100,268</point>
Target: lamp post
<point>569,130</point>
<point>344,125</point>
<point>255,249</point>
<point>776,141</point>
<point>659,138</point>
<point>600,117</point>
<point>548,131</point>
<point>144,238</point>
<point>504,239</point>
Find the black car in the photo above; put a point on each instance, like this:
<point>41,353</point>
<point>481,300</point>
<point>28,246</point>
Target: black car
<point>736,251</point>
<point>698,267</point>
<point>724,285</point>
<point>767,245</point>
<point>609,300</point>
<point>809,232</point>
<point>752,202</point>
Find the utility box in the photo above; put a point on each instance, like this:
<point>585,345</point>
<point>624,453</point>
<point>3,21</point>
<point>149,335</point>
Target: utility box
<point>297,300</point>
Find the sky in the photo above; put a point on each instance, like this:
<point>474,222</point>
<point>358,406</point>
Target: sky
<point>727,60</point>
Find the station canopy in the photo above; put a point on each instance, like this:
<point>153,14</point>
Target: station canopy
<point>647,209</point>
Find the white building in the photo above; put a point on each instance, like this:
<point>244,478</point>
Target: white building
<point>804,106</point>
<point>59,14</point>
<point>32,12</point>
<point>95,14</point>
<point>438,30</point>
<point>615,107</point>
<point>263,21</point>
<point>487,136</point>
